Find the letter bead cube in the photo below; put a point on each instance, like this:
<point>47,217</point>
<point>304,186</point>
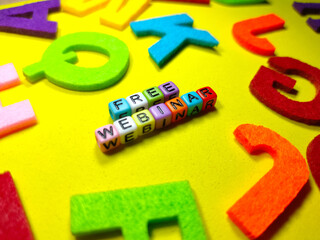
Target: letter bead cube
<point>107,137</point>
<point>145,122</point>
<point>178,109</point>
<point>169,90</point>
<point>8,76</point>
<point>154,96</point>
<point>193,101</point>
<point>119,108</point>
<point>161,114</point>
<point>127,129</point>
<point>209,98</point>
<point>137,102</point>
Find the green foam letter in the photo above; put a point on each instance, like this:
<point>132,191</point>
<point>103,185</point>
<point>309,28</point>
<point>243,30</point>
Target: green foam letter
<point>132,209</point>
<point>57,63</point>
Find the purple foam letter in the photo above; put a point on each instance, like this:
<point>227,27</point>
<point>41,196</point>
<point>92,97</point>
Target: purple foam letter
<point>30,19</point>
<point>309,8</point>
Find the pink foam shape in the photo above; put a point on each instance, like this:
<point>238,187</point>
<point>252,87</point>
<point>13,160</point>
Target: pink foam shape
<point>8,76</point>
<point>16,117</point>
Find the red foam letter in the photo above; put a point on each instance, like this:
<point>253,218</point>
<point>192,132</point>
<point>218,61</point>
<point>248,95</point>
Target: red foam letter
<point>14,224</point>
<point>245,31</point>
<point>266,80</point>
<point>313,156</point>
<point>268,198</point>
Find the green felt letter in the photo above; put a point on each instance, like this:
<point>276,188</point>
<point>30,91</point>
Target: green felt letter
<point>132,209</point>
<point>57,64</point>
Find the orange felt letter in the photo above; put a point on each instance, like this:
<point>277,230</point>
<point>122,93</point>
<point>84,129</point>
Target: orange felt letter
<point>245,31</point>
<point>268,198</point>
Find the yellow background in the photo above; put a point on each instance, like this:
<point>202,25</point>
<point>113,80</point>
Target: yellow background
<point>59,157</point>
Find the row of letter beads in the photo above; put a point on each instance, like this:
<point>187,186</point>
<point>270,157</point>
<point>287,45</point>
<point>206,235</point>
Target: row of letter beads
<point>127,129</point>
<point>139,101</point>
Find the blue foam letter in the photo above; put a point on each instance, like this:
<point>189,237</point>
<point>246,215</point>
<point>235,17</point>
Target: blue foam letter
<point>176,31</point>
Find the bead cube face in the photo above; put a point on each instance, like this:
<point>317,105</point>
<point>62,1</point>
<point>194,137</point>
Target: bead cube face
<point>154,96</point>
<point>178,109</point>
<point>119,109</point>
<point>8,76</point>
<point>137,102</point>
<point>194,103</point>
<point>107,137</point>
<point>161,114</point>
<point>127,129</point>
<point>169,90</point>
<point>209,98</point>
<point>145,122</point>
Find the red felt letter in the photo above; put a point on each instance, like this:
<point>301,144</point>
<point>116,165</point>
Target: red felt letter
<point>266,80</point>
<point>313,157</point>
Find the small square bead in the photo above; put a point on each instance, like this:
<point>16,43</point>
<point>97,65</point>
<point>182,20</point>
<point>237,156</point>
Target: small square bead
<point>178,109</point>
<point>154,96</point>
<point>145,122</point>
<point>169,90</point>
<point>127,129</point>
<point>193,101</point>
<point>119,109</point>
<point>161,114</point>
<point>137,102</point>
<point>209,98</point>
<point>107,137</point>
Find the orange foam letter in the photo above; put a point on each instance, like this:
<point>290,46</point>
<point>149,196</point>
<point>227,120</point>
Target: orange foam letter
<point>269,197</point>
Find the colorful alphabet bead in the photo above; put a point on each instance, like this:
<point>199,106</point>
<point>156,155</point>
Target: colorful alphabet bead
<point>137,102</point>
<point>193,101</point>
<point>162,115</point>
<point>107,137</point>
<point>127,129</point>
<point>209,98</point>
<point>169,90</point>
<point>178,109</point>
<point>119,108</point>
<point>154,96</point>
<point>145,122</point>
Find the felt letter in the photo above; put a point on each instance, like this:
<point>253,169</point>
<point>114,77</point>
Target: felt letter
<point>132,210</point>
<point>119,13</point>
<point>16,117</point>
<point>244,32</point>
<point>266,80</point>
<point>14,224</point>
<point>268,198</point>
<point>82,8</point>
<point>313,157</point>
<point>8,76</point>
<point>309,8</point>
<point>57,62</point>
<point>30,19</point>
<point>176,31</point>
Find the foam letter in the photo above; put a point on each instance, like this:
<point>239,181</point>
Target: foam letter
<point>82,8</point>
<point>266,80</point>
<point>309,8</point>
<point>245,31</point>
<point>313,157</point>
<point>132,210</point>
<point>16,117</point>
<point>8,76</point>
<point>176,31</point>
<point>119,13</point>
<point>268,198</point>
<point>30,19</point>
<point>14,224</point>
<point>57,62</point>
